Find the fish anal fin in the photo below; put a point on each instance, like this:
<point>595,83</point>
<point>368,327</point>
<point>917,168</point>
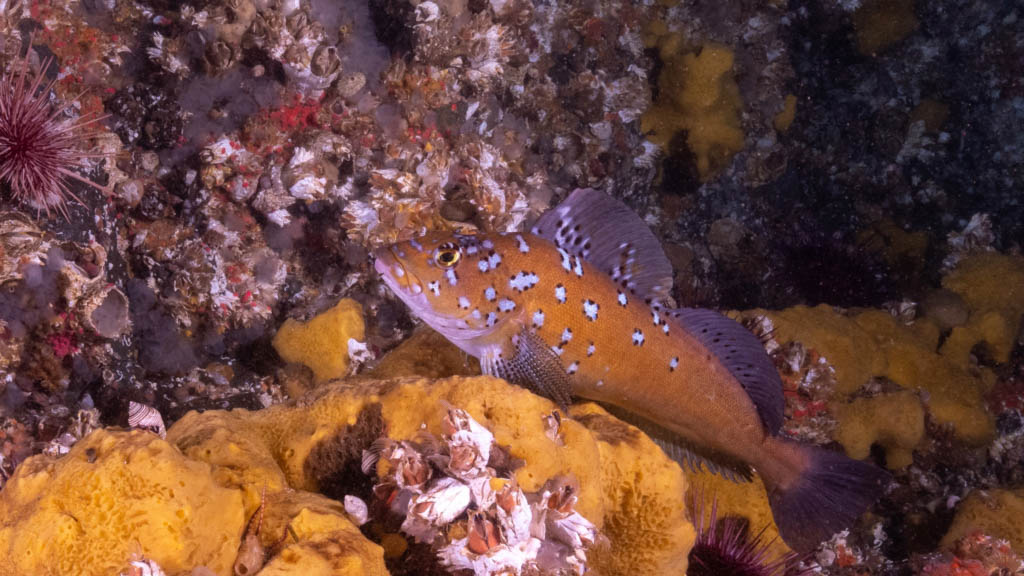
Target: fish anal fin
<point>743,356</point>
<point>688,455</point>
<point>604,232</point>
<point>525,360</point>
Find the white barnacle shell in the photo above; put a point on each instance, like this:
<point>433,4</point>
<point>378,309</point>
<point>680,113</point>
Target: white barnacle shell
<point>219,152</point>
<point>356,510</point>
<point>469,444</point>
<point>358,353</point>
<point>427,12</point>
<point>143,568</point>
<point>350,84</point>
<point>146,418</point>
<point>436,507</point>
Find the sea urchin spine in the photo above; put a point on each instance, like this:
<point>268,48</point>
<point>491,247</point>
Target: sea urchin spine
<point>39,150</point>
<point>725,547</point>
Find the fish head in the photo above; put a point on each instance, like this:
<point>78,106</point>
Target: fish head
<point>456,283</point>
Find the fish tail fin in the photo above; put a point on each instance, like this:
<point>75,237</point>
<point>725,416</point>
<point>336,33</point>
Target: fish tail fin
<point>818,492</point>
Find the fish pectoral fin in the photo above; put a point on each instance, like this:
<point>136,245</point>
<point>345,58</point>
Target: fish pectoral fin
<point>685,453</point>
<point>525,360</point>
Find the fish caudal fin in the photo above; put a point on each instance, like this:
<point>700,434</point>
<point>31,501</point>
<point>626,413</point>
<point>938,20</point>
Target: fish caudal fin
<point>828,494</point>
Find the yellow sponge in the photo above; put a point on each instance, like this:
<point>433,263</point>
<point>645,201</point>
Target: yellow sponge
<point>698,94</point>
<point>322,343</point>
<point>894,421</point>
<point>998,513</point>
<point>115,495</point>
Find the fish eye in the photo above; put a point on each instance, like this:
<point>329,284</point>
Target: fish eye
<point>447,255</point>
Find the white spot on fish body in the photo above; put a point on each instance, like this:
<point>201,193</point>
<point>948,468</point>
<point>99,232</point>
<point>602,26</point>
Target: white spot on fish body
<point>572,368</point>
<point>565,260</point>
<point>416,288</point>
<point>657,319</point>
<point>523,281</point>
<point>494,259</point>
<point>590,309</point>
<point>599,383</point>
<point>399,271</point>
<point>490,294</point>
<point>673,364</point>
<point>492,318</point>
<point>434,287</point>
<point>557,350</point>
<point>523,246</point>
<point>622,299</point>
<point>566,336</point>
<point>416,245</point>
<point>590,349</point>
<point>483,265</point>
<point>560,294</point>
<point>638,338</point>
<point>453,279</point>
<point>664,327</point>
<point>538,318</point>
<point>506,305</point>
<point>487,244</point>
<point>577,267</point>
<point>475,313</point>
<point>471,249</point>
<point>463,302</point>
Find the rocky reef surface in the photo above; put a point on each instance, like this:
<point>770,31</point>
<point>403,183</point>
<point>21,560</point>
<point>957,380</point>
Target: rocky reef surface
<point>195,351</point>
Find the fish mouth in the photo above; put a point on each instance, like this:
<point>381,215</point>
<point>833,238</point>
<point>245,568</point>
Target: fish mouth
<point>394,273</point>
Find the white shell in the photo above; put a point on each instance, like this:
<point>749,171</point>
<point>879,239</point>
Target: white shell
<point>356,510</point>
<point>146,418</point>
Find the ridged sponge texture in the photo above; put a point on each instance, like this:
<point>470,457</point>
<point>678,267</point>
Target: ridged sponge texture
<point>116,496</point>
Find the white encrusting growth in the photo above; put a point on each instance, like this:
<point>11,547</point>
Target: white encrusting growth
<point>590,309</point>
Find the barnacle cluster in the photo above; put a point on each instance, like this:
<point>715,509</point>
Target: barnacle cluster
<point>447,487</point>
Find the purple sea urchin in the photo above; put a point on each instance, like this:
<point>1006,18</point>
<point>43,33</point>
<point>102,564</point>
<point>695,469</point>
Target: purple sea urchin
<point>39,150</point>
<point>725,547</point>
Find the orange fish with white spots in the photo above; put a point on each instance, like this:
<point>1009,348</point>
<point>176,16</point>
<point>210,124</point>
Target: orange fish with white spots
<point>575,308</point>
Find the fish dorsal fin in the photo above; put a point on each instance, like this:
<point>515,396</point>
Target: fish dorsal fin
<point>607,234</point>
<point>686,454</point>
<point>743,355</point>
